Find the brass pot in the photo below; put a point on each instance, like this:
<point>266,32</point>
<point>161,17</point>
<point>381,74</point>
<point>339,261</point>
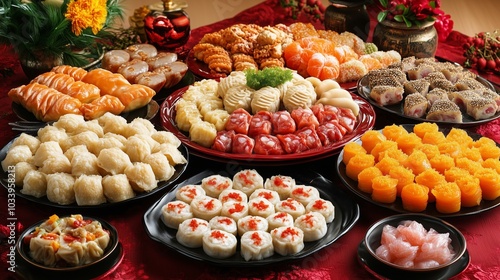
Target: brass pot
<point>40,62</point>
<point>419,41</point>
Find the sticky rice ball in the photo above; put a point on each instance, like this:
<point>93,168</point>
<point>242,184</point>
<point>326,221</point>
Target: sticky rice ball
<point>87,138</point>
<point>219,244</point>
<point>92,125</point>
<point>46,150</point>
<point>22,168</point>
<point>137,149</point>
<point>224,223</point>
<point>117,188</point>
<point>215,184</point>
<point>173,154</point>
<point>112,123</point>
<point>71,152</point>
<point>34,184</point>
<point>191,231</point>
<point>69,122</point>
<point>287,240</point>
<point>175,212</point>
<point>84,163</point>
<point>166,137</point>
<point>141,177</point>
<point>113,161</point>
<point>248,181</point>
<point>160,165</point>
<point>189,192</point>
<point>88,190</point>
<point>313,225</point>
<point>256,245</point>
<point>108,142</point>
<point>52,133</point>
<point>16,154</point>
<point>56,163</point>
<point>138,126</point>
<point>60,188</point>
<point>29,140</point>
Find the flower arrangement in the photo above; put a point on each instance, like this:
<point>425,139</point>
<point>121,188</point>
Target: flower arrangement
<point>411,12</point>
<point>58,27</point>
<point>314,9</point>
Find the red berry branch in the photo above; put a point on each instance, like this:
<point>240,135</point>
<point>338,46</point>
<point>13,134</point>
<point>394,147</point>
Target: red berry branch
<point>483,52</point>
<point>312,8</point>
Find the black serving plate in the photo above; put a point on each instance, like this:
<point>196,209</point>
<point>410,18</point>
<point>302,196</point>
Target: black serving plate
<point>346,215</point>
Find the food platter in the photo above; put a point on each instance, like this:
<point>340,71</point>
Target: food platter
<point>397,109</point>
<point>146,112</point>
<point>346,215</point>
<point>365,121</point>
<point>397,206</point>
<point>6,183</point>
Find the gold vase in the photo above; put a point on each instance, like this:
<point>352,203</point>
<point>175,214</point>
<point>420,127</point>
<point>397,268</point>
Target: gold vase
<point>419,41</point>
<point>40,62</point>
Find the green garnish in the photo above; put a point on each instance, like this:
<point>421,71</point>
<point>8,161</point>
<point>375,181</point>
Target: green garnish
<point>272,76</point>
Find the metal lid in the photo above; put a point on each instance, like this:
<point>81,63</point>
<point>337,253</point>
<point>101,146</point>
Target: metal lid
<point>169,5</point>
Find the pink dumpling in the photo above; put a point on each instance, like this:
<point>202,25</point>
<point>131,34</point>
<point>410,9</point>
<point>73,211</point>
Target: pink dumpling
<point>388,234</point>
<point>383,252</point>
<point>413,232</point>
<point>401,250</point>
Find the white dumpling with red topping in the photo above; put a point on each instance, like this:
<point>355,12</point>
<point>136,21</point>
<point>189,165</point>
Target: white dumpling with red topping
<point>224,223</point>
<point>290,206</point>
<point>287,240</point>
<point>189,192</point>
<point>249,223</point>
<point>259,206</point>
<point>232,195</point>
<point>279,219</point>
<point>175,212</point>
<point>215,184</point>
<point>256,245</point>
<point>272,196</point>
<point>322,206</point>
<point>313,224</point>
<point>219,244</point>
<point>281,184</point>
<point>235,210</point>
<point>191,231</point>
<point>206,207</point>
<point>304,194</point>
<point>247,181</point>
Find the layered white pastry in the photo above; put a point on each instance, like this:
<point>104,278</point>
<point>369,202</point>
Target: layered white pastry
<point>248,181</point>
<point>313,225</point>
<point>249,223</point>
<point>234,210</point>
<point>206,207</point>
<point>290,206</point>
<point>219,244</point>
<point>256,245</point>
<point>272,196</point>
<point>279,219</point>
<point>224,223</point>
<point>287,240</point>
<point>281,184</point>
<point>215,184</point>
<point>175,212</point>
<point>191,231</point>
<point>304,194</point>
<point>322,206</point>
<point>233,195</point>
<point>189,192</point>
<point>260,206</point>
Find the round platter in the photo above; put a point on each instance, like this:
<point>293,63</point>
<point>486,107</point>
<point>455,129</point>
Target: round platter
<point>397,109</point>
<point>346,215</point>
<point>397,206</point>
<point>6,182</point>
<point>365,121</point>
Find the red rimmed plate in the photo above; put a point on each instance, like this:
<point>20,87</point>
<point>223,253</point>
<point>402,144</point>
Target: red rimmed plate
<point>365,122</point>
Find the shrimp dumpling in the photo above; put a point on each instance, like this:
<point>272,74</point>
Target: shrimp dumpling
<point>189,192</point>
<point>191,231</point>
<point>60,188</point>
<point>206,207</point>
<point>88,190</point>
<point>219,244</point>
<point>287,240</point>
<point>175,212</point>
<point>313,225</point>
<point>117,188</point>
<point>256,245</point>
<point>224,223</point>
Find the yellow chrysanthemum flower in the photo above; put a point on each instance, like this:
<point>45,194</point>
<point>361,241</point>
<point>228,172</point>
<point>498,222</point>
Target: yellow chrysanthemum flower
<point>86,13</point>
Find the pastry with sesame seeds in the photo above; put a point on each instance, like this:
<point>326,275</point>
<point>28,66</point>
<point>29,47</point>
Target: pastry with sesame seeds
<point>417,86</point>
<point>446,111</point>
<point>481,108</point>
<point>387,95</point>
<point>436,94</point>
<point>468,83</point>
<point>415,105</point>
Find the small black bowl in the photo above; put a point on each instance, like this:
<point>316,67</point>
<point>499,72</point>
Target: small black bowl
<point>373,239</point>
<point>23,250</point>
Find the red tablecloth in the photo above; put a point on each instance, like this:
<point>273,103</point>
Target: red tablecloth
<point>147,259</point>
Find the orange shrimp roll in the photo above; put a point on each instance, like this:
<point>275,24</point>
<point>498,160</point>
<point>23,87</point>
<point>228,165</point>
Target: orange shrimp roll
<point>386,164</point>
<point>467,164</point>
<point>392,132</point>
<point>382,147</point>
<point>433,137</point>
<point>404,176</point>
<point>455,173</point>
<point>357,164</point>
<point>384,189</point>
<point>408,142</point>
<point>365,178</point>
<point>472,154</point>
<point>430,150</point>
<point>417,162</point>
<point>450,148</point>
<point>460,136</point>
<point>415,197</point>
<point>351,149</point>
<point>489,181</point>
<point>371,138</point>
<point>442,163</point>
<point>422,128</point>
<point>491,163</point>
<point>448,197</point>
<point>430,178</point>
<point>470,189</point>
